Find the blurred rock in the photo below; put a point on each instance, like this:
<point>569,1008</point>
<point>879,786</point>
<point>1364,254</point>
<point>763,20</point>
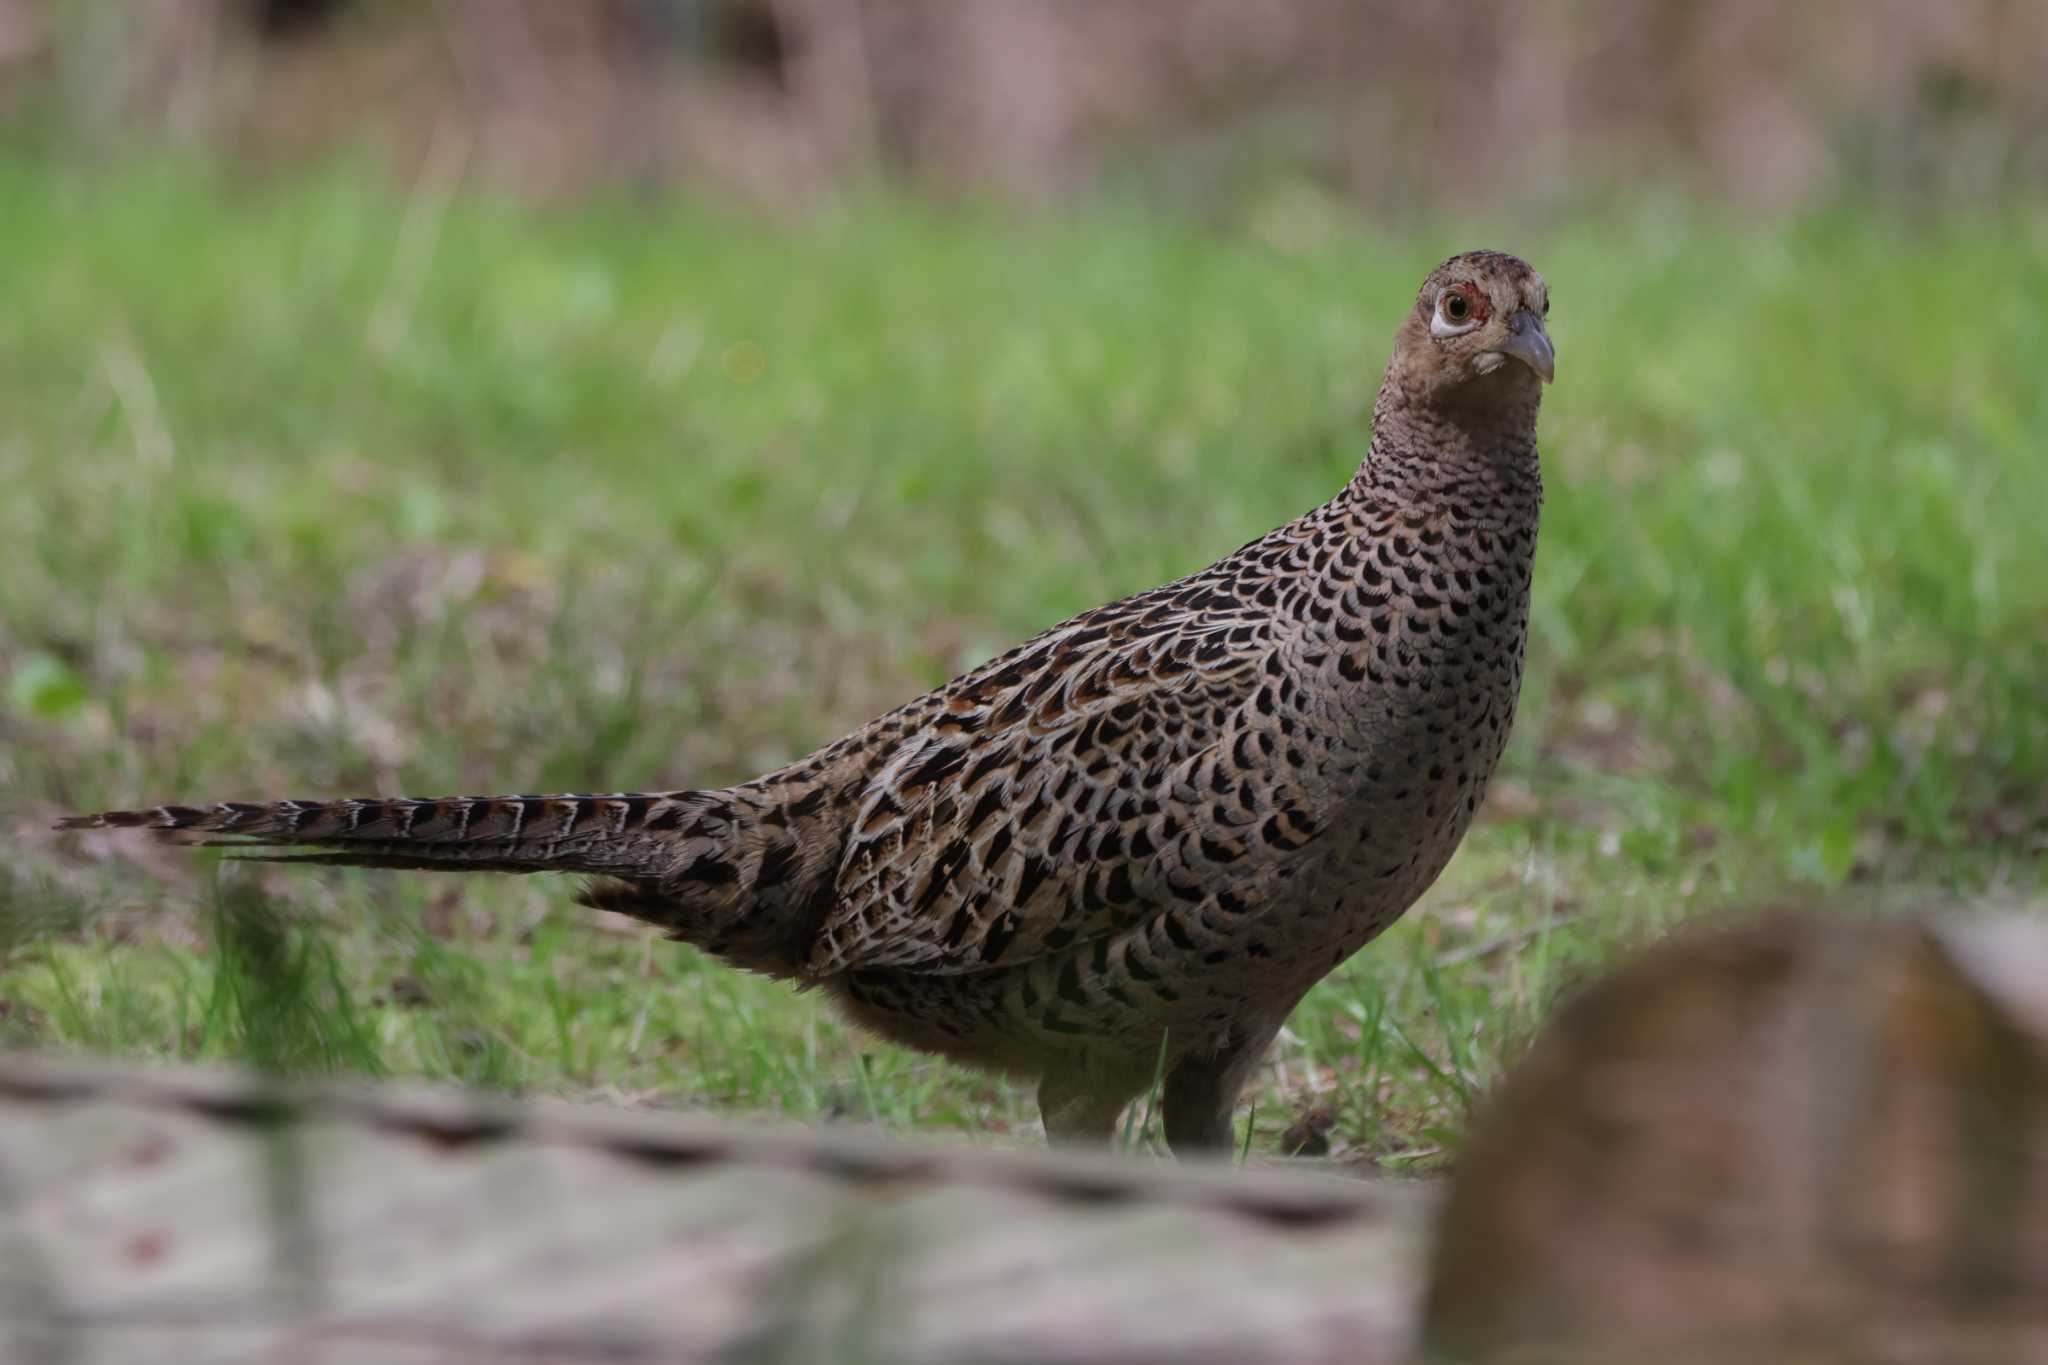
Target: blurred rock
<point>1812,1139</point>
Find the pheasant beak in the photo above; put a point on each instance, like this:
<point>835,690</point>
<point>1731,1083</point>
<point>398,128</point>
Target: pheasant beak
<point>1529,343</point>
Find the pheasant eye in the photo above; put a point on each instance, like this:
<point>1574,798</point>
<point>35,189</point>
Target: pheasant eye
<point>1456,312</point>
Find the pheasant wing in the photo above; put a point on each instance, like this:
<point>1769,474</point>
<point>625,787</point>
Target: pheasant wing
<point>1041,800</point>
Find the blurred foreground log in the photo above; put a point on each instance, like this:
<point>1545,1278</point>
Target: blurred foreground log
<point>194,1217</point>
<point>1806,1139</point>
<point>1800,1140</point>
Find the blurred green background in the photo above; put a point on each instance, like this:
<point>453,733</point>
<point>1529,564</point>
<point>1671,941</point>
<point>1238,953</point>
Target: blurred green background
<point>635,395</point>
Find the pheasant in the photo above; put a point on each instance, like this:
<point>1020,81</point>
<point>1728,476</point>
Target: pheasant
<point>1137,839</point>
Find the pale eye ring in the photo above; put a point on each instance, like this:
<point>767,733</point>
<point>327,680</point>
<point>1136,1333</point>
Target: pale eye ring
<point>1454,314</point>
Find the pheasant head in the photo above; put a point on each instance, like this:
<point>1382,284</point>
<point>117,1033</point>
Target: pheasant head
<point>1467,374</point>
<point>1478,321</point>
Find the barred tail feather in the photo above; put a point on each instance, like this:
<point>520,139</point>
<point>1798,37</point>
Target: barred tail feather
<point>726,870</point>
<point>569,833</point>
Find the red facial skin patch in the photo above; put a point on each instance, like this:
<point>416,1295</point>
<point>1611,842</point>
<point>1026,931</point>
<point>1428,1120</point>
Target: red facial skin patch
<point>1476,299</point>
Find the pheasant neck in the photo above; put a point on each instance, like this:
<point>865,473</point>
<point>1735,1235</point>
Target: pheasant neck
<point>1473,446</point>
<point>1504,477</point>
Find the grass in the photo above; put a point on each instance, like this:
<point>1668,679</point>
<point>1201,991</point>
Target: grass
<point>316,488</point>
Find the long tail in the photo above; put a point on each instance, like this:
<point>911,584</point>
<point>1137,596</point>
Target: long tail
<point>737,872</point>
<point>620,834</point>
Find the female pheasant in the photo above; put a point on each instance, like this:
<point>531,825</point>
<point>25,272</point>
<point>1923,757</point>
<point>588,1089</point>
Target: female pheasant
<point>1141,835</point>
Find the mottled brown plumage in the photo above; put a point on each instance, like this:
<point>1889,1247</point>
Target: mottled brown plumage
<point>1145,832</point>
